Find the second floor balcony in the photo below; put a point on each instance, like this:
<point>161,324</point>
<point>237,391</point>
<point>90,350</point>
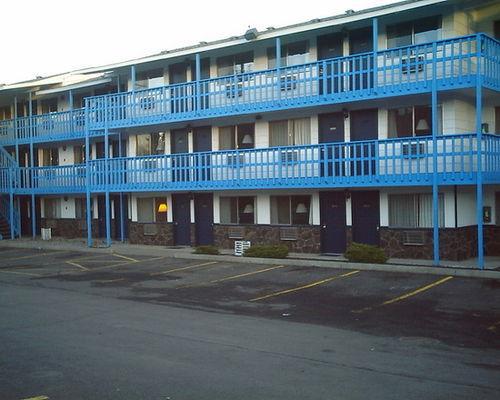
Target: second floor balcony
<point>451,63</point>
<point>375,163</point>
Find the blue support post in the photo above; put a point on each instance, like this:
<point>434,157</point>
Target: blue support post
<point>375,50</point>
<point>87,180</point>
<point>15,129</point>
<point>106,175</point>
<point>11,204</point>
<point>32,176</point>
<point>71,100</point>
<point>132,77</point>
<point>435,188</point>
<point>122,219</point>
<point>479,179</point>
<point>278,65</point>
<point>198,78</point>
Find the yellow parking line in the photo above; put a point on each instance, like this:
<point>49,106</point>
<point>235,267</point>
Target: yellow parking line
<point>91,257</point>
<point>20,273</point>
<point>38,398</point>
<point>110,280</point>
<point>406,295</point>
<point>309,285</point>
<point>75,264</point>
<point>125,257</point>
<point>35,255</point>
<point>231,277</point>
<point>183,268</point>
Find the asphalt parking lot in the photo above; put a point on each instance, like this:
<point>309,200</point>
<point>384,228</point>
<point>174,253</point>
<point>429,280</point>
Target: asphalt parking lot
<point>456,311</point>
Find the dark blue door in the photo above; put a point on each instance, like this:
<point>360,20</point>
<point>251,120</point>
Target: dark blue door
<point>364,127</point>
<point>331,75</point>
<point>361,41</point>
<point>365,217</point>
<point>180,163</point>
<point>202,143</point>
<point>331,130</point>
<point>333,222</point>
<point>204,218</point>
<point>182,219</point>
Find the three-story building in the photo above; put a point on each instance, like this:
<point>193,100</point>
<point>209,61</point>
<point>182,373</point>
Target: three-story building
<point>375,126</point>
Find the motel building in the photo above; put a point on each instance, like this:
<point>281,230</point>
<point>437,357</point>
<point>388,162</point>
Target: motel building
<point>375,126</point>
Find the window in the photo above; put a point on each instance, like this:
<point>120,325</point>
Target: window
<point>51,208</point>
<point>291,54</point>
<point>290,133</point>
<point>235,64</point>
<point>412,121</point>
<point>496,29</point>
<point>150,144</point>
<point>150,79</point>
<point>413,210</point>
<point>145,209</point>
<point>237,210</point>
<point>237,137</point>
<point>80,206</point>
<point>290,210</point>
<point>50,157</point>
<point>49,105</point>
<point>79,154</point>
<point>5,113</point>
<point>414,32</point>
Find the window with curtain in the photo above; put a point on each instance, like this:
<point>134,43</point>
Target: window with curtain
<point>150,79</point>
<point>413,210</point>
<point>413,121</point>
<point>145,209</point>
<point>80,206</point>
<point>237,137</point>
<point>235,64</point>
<point>290,210</point>
<point>237,210</point>
<point>291,54</point>
<point>51,208</point>
<point>414,32</point>
<point>289,133</point>
<point>150,143</point>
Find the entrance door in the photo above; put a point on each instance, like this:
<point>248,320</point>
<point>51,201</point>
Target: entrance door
<point>360,41</point>
<point>331,46</point>
<point>116,210</point>
<point>333,223</point>
<point>179,145</point>
<point>202,142</point>
<point>364,126</point>
<point>204,218</point>
<point>25,207</point>
<point>331,130</point>
<point>182,219</point>
<point>365,217</point>
<point>181,96</point>
<point>101,216</point>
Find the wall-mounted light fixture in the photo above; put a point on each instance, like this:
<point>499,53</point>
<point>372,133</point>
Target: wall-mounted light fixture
<point>162,208</point>
<point>345,113</point>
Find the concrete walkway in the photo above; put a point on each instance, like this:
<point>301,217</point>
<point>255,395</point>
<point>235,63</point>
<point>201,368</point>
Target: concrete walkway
<point>466,268</point>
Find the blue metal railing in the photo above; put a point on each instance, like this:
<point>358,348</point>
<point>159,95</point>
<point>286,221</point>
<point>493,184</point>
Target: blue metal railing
<point>389,162</point>
<point>404,70</point>
<point>5,214</point>
<point>398,71</point>
<point>45,127</point>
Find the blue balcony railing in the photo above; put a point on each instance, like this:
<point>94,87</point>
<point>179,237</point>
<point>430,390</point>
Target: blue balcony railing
<point>453,63</point>
<point>390,162</point>
<point>45,127</point>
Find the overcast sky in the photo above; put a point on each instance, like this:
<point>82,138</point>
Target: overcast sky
<point>45,37</point>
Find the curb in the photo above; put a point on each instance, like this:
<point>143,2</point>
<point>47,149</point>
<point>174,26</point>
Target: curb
<point>343,265</point>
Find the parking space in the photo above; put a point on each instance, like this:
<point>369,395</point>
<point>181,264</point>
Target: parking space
<point>454,310</point>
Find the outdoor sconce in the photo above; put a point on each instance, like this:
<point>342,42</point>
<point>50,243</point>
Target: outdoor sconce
<point>347,194</point>
<point>162,208</point>
<point>345,113</point>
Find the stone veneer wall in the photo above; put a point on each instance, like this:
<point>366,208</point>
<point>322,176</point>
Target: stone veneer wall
<point>70,228</point>
<point>455,243</point>
<point>164,234</point>
<point>308,240</point>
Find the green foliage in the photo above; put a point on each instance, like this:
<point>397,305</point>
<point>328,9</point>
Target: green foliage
<point>365,253</point>
<point>267,251</point>
<point>206,250</point>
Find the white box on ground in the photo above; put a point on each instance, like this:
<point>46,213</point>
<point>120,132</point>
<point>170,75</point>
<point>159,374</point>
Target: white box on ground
<point>240,246</point>
<point>46,233</point>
